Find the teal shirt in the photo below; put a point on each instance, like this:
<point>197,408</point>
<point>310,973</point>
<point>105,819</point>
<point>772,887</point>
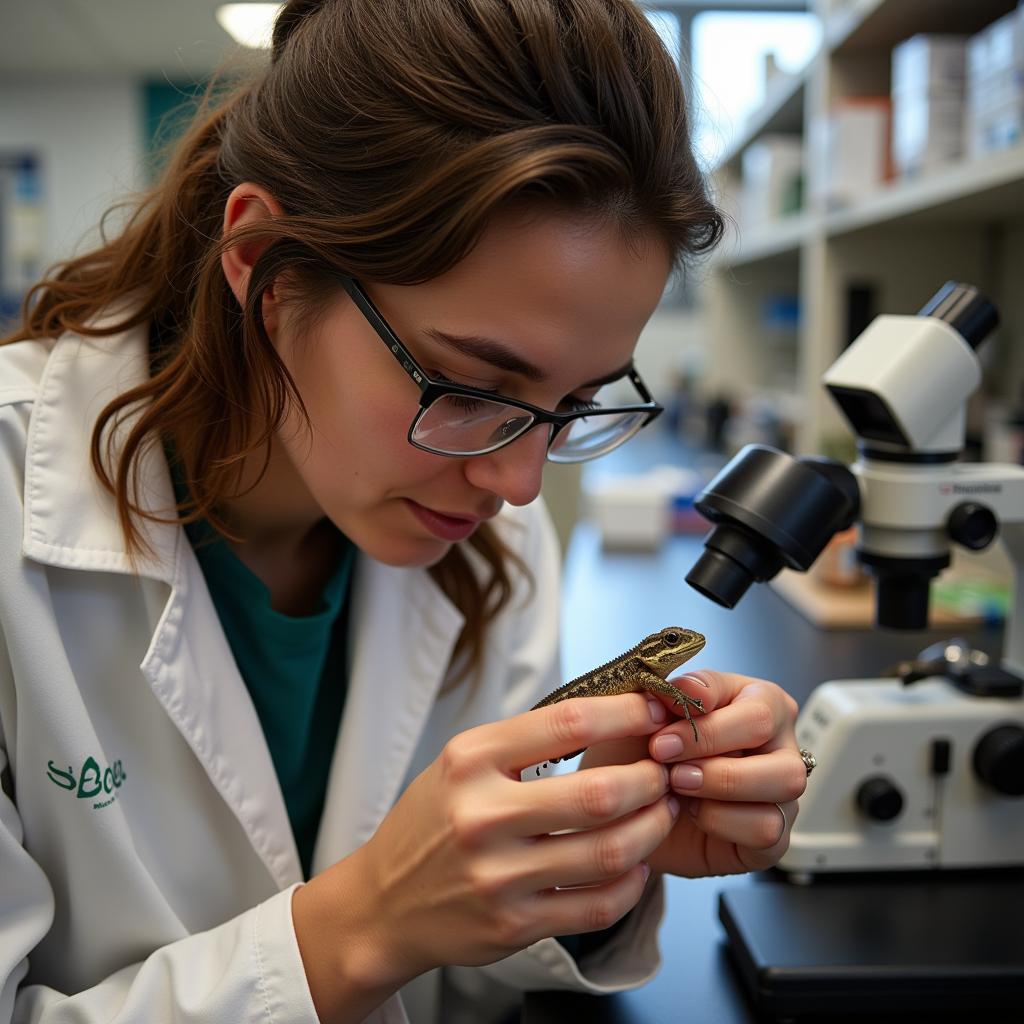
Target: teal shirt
<point>294,668</point>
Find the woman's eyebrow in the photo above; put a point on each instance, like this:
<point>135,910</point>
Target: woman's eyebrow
<point>489,351</point>
<point>500,355</point>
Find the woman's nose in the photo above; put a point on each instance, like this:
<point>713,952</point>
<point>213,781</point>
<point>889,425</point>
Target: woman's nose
<point>514,472</point>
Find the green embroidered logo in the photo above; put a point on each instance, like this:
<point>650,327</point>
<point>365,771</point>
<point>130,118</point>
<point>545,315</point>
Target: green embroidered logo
<point>91,781</point>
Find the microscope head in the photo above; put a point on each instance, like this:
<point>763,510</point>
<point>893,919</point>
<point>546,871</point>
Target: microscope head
<point>903,387</point>
<point>904,383</point>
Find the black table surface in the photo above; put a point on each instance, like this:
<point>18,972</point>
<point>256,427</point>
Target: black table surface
<point>612,599</point>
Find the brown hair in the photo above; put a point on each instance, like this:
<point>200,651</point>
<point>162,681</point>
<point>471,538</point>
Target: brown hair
<point>390,131</point>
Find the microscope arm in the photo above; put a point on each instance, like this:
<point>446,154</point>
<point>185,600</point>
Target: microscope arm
<point>912,511</point>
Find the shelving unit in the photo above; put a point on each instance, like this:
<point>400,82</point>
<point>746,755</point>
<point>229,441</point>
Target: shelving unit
<point>901,243</point>
<point>967,192</point>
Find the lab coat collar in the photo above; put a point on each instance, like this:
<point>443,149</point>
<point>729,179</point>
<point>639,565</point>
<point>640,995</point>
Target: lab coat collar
<point>70,520</point>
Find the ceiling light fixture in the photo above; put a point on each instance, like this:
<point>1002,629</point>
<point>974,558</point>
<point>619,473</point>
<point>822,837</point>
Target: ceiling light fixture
<point>249,24</point>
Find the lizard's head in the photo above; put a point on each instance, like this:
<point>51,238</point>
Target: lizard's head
<point>669,648</point>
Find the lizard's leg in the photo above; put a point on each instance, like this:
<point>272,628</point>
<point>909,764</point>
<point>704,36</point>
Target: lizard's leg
<point>651,681</point>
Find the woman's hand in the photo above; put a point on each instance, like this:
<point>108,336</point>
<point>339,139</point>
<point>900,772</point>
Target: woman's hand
<point>465,869</point>
<point>745,762</point>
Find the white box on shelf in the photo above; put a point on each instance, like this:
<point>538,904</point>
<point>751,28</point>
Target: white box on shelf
<point>996,128</point>
<point>771,168</point>
<point>929,74</point>
<point>855,145</point>
<point>996,51</point>
<point>994,93</point>
<point>927,133</point>
<point>994,118</point>
<point>928,63</point>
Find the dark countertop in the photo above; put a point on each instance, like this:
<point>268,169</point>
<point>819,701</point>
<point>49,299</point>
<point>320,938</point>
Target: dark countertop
<point>612,599</point>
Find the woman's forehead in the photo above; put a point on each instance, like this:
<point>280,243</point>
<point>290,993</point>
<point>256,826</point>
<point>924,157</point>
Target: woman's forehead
<point>541,283</point>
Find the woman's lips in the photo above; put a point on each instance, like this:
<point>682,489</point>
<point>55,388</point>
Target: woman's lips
<point>450,528</point>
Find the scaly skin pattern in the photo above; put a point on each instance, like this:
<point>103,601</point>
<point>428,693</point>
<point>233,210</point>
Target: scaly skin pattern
<point>643,667</point>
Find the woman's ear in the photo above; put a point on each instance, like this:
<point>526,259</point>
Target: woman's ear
<point>248,204</point>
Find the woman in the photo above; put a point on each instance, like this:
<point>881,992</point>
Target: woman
<point>270,627</point>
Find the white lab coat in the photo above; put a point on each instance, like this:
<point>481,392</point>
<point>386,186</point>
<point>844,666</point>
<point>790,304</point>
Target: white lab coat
<point>146,860</point>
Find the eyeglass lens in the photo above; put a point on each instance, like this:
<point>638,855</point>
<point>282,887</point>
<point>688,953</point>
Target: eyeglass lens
<point>464,425</point>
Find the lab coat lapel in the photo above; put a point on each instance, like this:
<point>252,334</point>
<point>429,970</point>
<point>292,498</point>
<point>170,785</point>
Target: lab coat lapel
<point>403,632</point>
<point>193,674</point>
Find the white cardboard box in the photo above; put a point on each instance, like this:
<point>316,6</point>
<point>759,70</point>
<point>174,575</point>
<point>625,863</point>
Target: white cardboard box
<point>994,118</point>
<point>634,512</point>
<point>855,141</point>
<point>996,52</point>
<point>929,75</point>
<point>927,133</point>
<point>928,63</point>
<point>995,128</point>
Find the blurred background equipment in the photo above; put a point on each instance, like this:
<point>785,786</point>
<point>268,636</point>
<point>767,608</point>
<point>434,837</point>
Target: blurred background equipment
<point>21,228</point>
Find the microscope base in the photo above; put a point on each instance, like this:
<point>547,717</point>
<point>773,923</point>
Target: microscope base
<point>877,947</point>
<point>897,786</point>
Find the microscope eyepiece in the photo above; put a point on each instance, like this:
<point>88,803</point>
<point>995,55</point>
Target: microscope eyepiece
<point>965,309</point>
<point>733,558</point>
<point>769,510</point>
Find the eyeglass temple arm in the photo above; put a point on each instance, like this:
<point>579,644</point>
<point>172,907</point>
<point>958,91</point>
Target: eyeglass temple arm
<point>645,395</point>
<point>384,332</point>
<point>639,385</point>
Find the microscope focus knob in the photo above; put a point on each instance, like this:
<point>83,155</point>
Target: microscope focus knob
<point>879,798</point>
<point>999,759</point>
<point>972,524</point>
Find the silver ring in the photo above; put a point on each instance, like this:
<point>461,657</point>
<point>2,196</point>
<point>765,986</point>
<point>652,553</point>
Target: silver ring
<point>785,824</point>
<point>809,760</point>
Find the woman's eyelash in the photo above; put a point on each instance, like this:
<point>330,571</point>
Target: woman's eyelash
<point>442,379</point>
<point>580,404</point>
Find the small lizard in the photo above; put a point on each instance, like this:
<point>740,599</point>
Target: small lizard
<point>643,667</point>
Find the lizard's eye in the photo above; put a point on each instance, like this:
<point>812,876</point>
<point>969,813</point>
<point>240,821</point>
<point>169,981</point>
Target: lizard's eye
<point>672,637</point>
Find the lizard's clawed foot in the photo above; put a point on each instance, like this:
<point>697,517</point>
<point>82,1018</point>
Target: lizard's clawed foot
<point>687,701</point>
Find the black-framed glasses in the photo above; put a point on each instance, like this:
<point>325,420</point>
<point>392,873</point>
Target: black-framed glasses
<point>457,420</point>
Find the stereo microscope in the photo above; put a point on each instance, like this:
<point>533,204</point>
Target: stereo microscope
<point>923,768</point>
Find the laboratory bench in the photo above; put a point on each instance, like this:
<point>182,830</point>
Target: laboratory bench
<point>612,599</point>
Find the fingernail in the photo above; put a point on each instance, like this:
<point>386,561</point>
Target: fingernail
<point>667,746</point>
<point>657,710</point>
<point>647,869</point>
<point>687,776</point>
<point>673,806</point>
<point>698,680</point>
